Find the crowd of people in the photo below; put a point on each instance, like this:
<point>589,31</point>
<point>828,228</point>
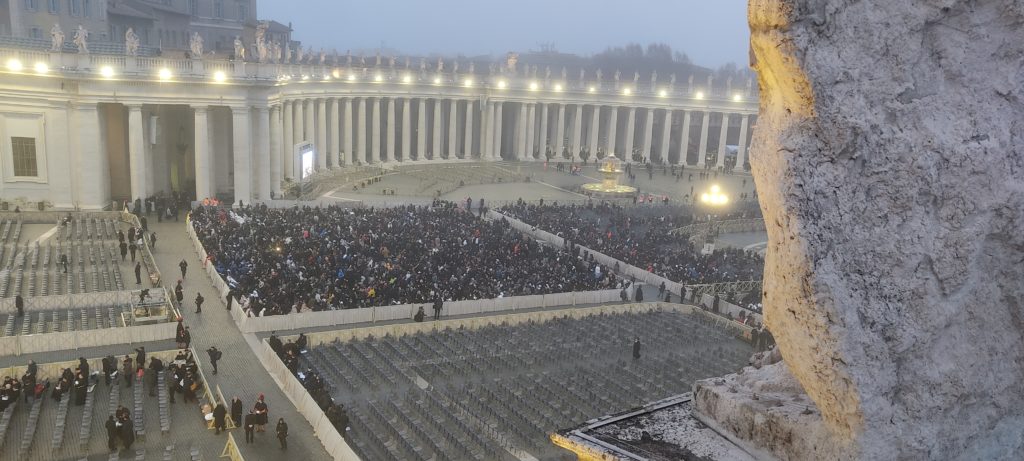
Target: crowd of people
<point>641,236</point>
<point>278,261</point>
<point>289,353</point>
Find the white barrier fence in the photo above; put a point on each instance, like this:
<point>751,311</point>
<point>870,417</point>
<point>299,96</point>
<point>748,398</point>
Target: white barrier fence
<point>48,342</point>
<point>68,301</point>
<point>304,403</point>
<point>390,313</point>
<point>625,268</point>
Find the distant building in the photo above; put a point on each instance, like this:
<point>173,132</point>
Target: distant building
<point>162,25</point>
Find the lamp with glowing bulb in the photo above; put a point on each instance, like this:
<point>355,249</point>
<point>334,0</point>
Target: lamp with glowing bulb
<point>714,197</point>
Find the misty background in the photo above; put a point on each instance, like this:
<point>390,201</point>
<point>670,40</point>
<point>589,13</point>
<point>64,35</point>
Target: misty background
<point>687,34</point>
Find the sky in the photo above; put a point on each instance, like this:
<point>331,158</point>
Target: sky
<point>711,32</point>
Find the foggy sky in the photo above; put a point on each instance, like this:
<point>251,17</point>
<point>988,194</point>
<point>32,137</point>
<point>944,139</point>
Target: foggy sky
<point>711,32</point>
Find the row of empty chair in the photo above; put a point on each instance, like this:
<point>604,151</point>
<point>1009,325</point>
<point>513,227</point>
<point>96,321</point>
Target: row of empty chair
<point>62,320</point>
<point>35,270</point>
<point>496,392</point>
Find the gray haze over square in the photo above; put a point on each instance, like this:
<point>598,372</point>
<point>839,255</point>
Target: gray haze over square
<point>711,33</point>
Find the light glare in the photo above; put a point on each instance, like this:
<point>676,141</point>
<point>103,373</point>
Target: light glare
<point>42,68</point>
<point>164,74</point>
<point>699,95</point>
<point>107,71</point>
<point>14,65</point>
<point>220,76</point>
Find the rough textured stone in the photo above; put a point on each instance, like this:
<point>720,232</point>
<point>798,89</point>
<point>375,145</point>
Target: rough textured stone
<point>889,162</point>
<point>765,411</point>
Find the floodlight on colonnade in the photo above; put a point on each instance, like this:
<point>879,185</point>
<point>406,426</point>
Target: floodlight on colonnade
<point>558,87</point>
<point>165,74</point>
<point>502,84</point>
<point>698,95</point>
<point>42,68</point>
<point>107,71</point>
<point>220,76</point>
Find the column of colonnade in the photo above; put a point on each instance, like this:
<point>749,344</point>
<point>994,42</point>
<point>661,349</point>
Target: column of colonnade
<point>416,129</point>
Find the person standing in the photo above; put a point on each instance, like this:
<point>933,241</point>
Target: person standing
<point>132,248</point>
<point>219,413</point>
<point>64,262</point>
<point>128,370</point>
<point>179,293</point>
<point>262,410</point>
<point>639,296</point>
<point>438,305</point>
<point>214,357</point>
<point>199,303</point>
<point>124,250</point>
<point>636,348</point>
<point>184,268</point>
<point>230,297</point>
<point>152,240</point>
<point>186,338</point>
<point>236,410</point>
<point>138,273</point>
<point>111,426</point>
<point>282,433</point>
<point>19,303</point>
<point>250,427</point>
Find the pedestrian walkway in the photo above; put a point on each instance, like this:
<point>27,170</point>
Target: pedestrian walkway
<point>240,372</point>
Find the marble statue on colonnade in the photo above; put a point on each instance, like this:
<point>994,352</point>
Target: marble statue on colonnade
<point>391,62</point>
<point>440,65</point>
<point>490,68</point>
<point>348,58</point>
<point>195,44</point>
<point>362,60</point>
<point>407,62</point>
<point>131,42</point>
<point>323,57</point>
<point>672,81</point>
<point>277,51</point>
<point>654,79</point>
<point>423,67</point>
<point>565,73</point>
<point>510,62</point>
<point>711,79</point>
<point>689,84</point>
<point>56,38</point>
<point>547,73</point>
<point>378,59</point>
<point>617,75</point>
<point>636,78</point>
<point>300,54</point>
<point>583,75</point>
<point>599,74</point>
<point>262,53</point>
<point>287,53</point>
<point>82,39</point>
<point>472,68</point>
<point>239,49</point>
<point>455,67</point>
<point>728,85</point>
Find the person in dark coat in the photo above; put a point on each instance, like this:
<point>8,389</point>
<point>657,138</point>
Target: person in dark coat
<point>127,433</point>
<point>184,267</point>
<point>219,423</point>
<point>636,348</point>
<point>152,240</point>
<point>282,433</point>
<point>83,365</point>
<point>124,250</point>
<point>112,435</point>
<point>138,273</point>
<point>250,427</point>
<point>419,315</point>
<point>64,262</point>
<point>438,305</point>
<point>179,293</point>
<point>214,357</point>
<point>187,338</point>
<point>639,294</point>
<point>128,370</point>
<point>132,248</point>
<point>199,303</point>
<point>140,357</point>
<point>230,298</point>
<point>19,303</point>
<point>236,410</point>
<point>81,383</point>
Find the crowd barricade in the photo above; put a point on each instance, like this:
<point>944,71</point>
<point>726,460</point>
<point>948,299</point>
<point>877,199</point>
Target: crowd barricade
<point>155,277</point>
<point>306,406</point>
<point>78,339</point>
<point>68,301</point>
<point>626,269</point>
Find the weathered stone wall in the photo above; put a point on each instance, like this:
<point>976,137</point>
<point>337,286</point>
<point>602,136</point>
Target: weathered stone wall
<point>889,162</point>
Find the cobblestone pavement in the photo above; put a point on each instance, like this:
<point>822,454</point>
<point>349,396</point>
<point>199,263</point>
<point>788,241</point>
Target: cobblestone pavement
<point>240,372</point>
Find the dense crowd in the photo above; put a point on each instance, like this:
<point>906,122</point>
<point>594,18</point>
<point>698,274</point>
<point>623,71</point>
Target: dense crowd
<point>286,260</point>
<point>641,236</point>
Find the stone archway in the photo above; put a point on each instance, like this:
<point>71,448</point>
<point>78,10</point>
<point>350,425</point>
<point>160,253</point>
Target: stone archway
<point>889,162</point>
